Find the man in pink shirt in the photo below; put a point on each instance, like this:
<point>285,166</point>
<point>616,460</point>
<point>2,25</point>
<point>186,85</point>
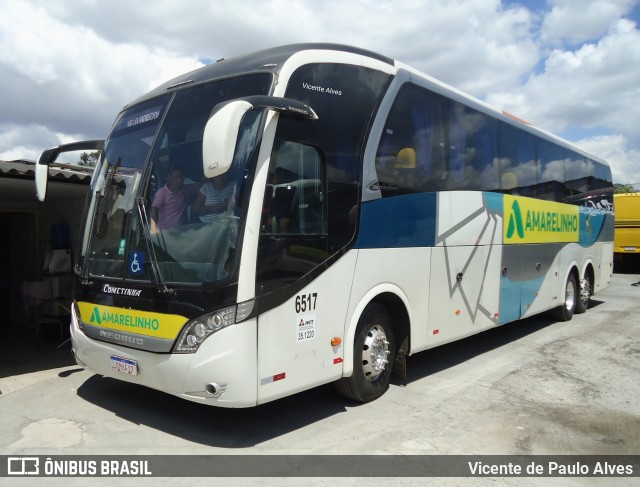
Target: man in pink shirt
<point>169,207</point>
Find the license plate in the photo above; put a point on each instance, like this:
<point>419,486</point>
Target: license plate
<point>124,365</point>
<point>629,249</point>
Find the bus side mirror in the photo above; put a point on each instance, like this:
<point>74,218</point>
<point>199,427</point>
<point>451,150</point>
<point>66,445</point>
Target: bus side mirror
<point>222,129</point>
<point>220,137</point>
<point>42,172</point>
<point>49,156</point>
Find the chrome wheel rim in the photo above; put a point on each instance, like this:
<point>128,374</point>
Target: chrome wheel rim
<point>585,291</point>
<point>374,353</point>
<point>570,295</point>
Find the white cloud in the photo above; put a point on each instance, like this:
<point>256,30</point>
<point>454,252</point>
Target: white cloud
<point>577,21</point>
<point>24,141</point>
<point>67,78</point>
<point>449,40</point>
<point>70,65</point>
<point>615,150</point>
<point>474,45</point>
<point>595,86</point>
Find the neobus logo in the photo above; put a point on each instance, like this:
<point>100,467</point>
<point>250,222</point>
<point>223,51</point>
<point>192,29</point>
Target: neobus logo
<point>536,221</point>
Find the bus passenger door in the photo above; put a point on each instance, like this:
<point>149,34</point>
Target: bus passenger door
<point>299,321</point>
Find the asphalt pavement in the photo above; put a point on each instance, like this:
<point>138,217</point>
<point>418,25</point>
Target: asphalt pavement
<point>535,387</point>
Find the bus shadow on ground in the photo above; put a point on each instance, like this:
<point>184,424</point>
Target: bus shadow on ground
<point>446,356</point>
<point>207,425</point>
<point>244,428</point>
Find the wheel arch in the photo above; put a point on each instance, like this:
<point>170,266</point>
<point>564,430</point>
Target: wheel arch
<point>397,304</point>
<point>561,312</point>
<point>589,271</point>
<point>572,268</point>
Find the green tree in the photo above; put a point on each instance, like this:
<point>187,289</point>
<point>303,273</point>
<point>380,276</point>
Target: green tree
<point>623,188</point>
<point>89,158</point>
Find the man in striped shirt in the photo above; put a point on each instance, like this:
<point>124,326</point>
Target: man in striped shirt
<point>212,199</point>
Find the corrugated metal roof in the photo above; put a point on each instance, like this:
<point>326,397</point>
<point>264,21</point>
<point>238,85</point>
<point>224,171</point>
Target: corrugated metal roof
<point>25,169</point>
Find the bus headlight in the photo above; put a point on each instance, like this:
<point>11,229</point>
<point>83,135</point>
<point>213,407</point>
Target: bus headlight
<point>197,331</point>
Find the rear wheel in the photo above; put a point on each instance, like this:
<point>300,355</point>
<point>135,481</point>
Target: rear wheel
<point>373,355</point>
<point>584,294</point>
<point>565,311</point>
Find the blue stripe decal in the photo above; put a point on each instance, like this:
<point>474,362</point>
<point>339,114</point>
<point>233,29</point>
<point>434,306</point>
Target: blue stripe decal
<point>494,203</point>
<point>399,221</point>
<point>509,300</point>
<point>593,226</point>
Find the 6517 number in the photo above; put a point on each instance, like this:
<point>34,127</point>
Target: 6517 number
<point>306,302</point>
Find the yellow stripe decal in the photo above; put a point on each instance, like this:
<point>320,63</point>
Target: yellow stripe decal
<point>158,325</point>
<point>528,220</point>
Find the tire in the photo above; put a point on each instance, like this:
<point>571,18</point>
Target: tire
<point>373,355</point>
<point>584,294</point>
<point>565,311</point>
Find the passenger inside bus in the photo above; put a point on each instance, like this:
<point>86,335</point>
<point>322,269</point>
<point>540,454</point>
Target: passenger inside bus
<point>169,207</point>
<point>213,199</point>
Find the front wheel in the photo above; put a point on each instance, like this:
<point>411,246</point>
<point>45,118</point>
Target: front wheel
<point>373,355</point>
<point>565,311</point>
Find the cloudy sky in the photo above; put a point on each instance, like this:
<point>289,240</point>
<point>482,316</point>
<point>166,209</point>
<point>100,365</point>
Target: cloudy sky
<point>569,66</point>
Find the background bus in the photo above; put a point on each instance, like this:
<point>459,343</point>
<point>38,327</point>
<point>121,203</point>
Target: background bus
<point>627,233</point>
<point>371,212</point>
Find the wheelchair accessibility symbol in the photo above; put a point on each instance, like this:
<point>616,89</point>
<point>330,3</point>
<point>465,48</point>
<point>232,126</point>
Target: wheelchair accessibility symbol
<point>136,263</point>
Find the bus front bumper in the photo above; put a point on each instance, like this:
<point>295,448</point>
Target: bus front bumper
<point>223,372</point>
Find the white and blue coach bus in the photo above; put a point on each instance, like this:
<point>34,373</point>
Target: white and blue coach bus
<point>371,212</point>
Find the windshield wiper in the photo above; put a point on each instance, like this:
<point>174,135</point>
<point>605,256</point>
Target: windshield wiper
<point>144,221</point>
<point>102,190</point>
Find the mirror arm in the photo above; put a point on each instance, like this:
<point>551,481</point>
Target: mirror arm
<point>286,106</point>
<point>49,156</point>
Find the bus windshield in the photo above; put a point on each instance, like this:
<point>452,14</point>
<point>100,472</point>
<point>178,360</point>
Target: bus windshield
<point>154,216</point>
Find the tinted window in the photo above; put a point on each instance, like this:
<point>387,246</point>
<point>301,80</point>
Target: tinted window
<point>344,98</point>
<point>551,178</point>
<point>411,153</point>
<point>600,176</point>
<point>295,196</point>
<point>516,160</point>
<point>430,143</point>
<point>293,230</point>
<point>472,146</point>
<point>577,170</point>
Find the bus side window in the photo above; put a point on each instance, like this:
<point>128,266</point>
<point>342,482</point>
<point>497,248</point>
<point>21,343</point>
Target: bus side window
<point>473,149</point>
<point>551,177</point>
<point>295,197</point>
<point>410,155</point>
<point>516,158</point>
<point>577,168</point>
<point>293,231</point>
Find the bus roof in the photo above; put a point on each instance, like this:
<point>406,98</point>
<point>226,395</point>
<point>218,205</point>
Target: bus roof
<point>272,60</point>
<point>268,60</point>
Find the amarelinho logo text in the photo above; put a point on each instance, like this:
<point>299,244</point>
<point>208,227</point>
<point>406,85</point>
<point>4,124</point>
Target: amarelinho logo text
<point>529,220</point>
